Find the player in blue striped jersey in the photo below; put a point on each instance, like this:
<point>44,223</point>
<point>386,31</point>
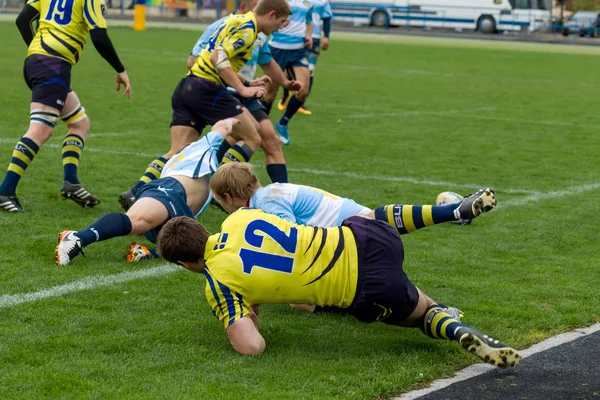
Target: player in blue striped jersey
<point>321,16</point>
<point>288,47</point>
<point>183,189</point>
<point>236,186</point>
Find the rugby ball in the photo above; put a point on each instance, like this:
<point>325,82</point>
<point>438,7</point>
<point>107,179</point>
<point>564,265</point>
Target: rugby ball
<point>446,198</point>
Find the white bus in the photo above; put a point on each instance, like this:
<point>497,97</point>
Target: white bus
<point>489,16</point>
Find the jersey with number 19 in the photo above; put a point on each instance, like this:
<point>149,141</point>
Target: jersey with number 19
<point>259,258</point>
<point>64,25</point>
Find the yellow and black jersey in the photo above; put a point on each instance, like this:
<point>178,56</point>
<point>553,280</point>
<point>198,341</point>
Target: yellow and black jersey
<point>64,25</point>
<point>259,258</point>
<point>236,35</point>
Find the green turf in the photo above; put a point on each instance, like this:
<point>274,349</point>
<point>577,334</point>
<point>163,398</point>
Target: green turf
<point>413,121</point>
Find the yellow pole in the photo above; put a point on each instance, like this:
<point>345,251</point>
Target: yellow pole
<point>139,15</point>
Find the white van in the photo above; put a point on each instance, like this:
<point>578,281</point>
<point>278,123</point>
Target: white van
<point>489,16</point>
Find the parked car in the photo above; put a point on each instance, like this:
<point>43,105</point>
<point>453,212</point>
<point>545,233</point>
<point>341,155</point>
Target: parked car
<point>582,23</point>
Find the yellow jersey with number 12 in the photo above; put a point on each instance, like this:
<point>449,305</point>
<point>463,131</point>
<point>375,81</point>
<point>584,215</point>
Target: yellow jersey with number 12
<point>236,35</point>
<point>259,258</point>
<point>64,25</point>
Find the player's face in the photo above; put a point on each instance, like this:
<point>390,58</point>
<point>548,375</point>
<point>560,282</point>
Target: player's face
<point>276,23</point>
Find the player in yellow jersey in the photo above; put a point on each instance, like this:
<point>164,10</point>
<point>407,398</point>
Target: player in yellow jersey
<point>259,258</point>
<point>55,31</point>
<point>201,98</point>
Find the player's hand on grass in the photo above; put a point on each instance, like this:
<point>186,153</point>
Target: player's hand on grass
<point>123,79</point>
<point>308,42</point>
<point>263,80</point>
<point>324,43</point>
<point>253,92</point>
<point>293,85</point>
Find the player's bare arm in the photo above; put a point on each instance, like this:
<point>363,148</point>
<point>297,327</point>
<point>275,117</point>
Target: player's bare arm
<point>273,70</point>
<point>244,336</point>
<point>220,60</point>
<point>308,41</point>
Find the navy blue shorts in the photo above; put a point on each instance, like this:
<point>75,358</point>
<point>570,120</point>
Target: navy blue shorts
<point>383,292</point>
<point>172,195</point>
<point>198,102</point>
<point>315,50</point>
<point>290,58</point>
<point>256,108</point>
<point>49,79</point>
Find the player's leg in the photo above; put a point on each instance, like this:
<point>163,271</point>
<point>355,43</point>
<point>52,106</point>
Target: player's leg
<point>146,214</point>
<point>408,218</point>
<point>302,75</point>
<point>283,102</point>
<point>247,137</point>
<point>313,55</point>
<point>49,80</point>
<point>185,128</point>
<point>78,125</point>
<point>269,97</point>
<point>274,160</point>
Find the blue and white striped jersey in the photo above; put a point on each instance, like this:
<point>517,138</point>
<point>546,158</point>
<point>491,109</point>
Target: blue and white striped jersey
<point>196,159</point>
<point>322,10</point>
<point>261,54</point>
<point>305,205</point>
<point>201,43</point>
<point>292,36</point>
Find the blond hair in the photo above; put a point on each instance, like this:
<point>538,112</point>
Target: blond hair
<point>236,179</point>
<point>281,8</point>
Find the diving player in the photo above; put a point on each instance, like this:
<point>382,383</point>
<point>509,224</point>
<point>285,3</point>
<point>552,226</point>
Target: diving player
<point>259,258</point>
<point>322,13</point>
<point>288,47</point>
<point>201,98</point>
<point>54,47</point>
<point>183,189</point>
<point>236,186</point>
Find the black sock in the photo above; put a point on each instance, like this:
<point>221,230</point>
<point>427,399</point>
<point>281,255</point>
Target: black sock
<point>291,109</point>
<point>277,173</point>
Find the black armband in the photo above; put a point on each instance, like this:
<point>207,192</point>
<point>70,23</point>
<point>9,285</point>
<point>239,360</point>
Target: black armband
<point>106,49</point>
<point>247,83</point>
<point>27,22</point>
<point>326,27</point>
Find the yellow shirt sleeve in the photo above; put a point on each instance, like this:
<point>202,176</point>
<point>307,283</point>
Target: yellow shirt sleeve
<point>35,4</point>
<point>93,11</point>
<point>227,305</point>
<point>240,41</point>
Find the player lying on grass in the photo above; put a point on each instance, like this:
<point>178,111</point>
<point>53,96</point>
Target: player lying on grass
<point>259,258</point>
<point>183,189</point>
<point>201,98</point>
<point>235,185</point>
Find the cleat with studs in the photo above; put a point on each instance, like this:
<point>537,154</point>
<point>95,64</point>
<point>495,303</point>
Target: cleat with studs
<point>126,199</point>
<point>476,204</point>
<point>69,246</point>
<point>138,252</point>
<point>10,204</point>
<point>488,349</point>
<point>78,194</point>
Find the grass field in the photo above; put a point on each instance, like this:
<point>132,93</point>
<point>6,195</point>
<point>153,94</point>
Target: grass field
<point>415,120</point>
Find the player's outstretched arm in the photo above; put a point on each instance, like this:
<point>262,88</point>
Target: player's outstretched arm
<point>225,126</point>
<point>27,21</point>
<point>220,59</point>
<point>105,48</point>
<point>245,338</point>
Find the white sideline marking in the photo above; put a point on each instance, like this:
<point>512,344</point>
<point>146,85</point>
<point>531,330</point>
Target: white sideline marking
<point>10,300</point>
<point>480,369</point>
<point>408,113</point>
<point>536,197</point>
<point>345,174</point>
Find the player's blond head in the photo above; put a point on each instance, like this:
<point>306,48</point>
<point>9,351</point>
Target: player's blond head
<point>182,239</point>
<point>236,179</point>
<point>281,8</point>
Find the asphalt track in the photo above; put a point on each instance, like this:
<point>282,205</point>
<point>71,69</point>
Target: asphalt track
<point>568,371</point>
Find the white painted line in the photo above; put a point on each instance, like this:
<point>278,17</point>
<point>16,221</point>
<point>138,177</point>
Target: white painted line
<point>409,113</point>
<point>10,300</point>
<point>537,197</point>
<point>480,369</point>
<point>472,186</point>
